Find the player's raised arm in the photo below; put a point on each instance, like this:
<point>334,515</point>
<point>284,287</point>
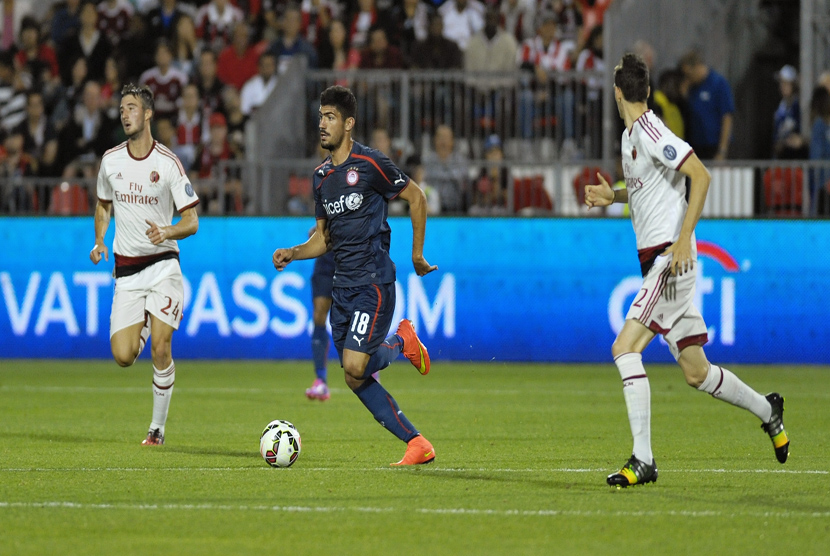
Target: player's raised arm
<point>102,222</point>
<point>316,245</point>
<point>681,250</point>
<point>414,195</point>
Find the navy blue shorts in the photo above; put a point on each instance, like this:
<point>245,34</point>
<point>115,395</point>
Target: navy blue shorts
<point>322,277</point>
<point>361,317</point>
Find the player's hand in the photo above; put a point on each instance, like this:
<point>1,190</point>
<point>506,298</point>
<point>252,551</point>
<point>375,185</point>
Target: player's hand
<point>282,257</point>
<point>600,195</point>
<point>681,256</point>
<point>156,234</point>
<point>97,251</point>
<point>422,267</point>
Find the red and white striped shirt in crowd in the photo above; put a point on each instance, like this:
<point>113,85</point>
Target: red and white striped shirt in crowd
<point>589,61</point>
<point>214,26</point>
<point>189,130</point>
<point>114,19</point>
<point>167,88</point>
<point>556,57</point>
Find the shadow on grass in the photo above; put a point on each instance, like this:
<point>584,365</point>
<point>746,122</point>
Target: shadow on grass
<point>210,451</point>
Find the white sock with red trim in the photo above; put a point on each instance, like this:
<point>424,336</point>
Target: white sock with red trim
<point>724,385</point>
<point>637,394</point>
<point>162,392</point>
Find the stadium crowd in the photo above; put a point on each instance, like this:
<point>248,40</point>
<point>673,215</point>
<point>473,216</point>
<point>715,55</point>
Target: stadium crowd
<point>211,63</point>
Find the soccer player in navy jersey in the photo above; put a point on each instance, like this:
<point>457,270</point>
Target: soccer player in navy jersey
<point>352,189</point>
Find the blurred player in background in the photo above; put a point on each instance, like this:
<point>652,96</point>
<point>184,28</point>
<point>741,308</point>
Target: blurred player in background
<point>656,164</point>
<point>321,284</point>
<point>352,189</point>
<point>142,182</point>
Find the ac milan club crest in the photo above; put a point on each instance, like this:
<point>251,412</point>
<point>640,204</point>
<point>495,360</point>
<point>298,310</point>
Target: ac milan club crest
<point>634,153</point>
<point>154,177</point>
<point>351,176</point>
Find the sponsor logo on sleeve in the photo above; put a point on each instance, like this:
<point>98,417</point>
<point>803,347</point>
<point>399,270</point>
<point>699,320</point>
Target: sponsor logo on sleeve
<point>669,152</point>
<point>189,190</point>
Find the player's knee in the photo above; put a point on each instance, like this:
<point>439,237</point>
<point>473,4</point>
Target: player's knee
<point>353,382</point>
<point>124,357</point>
<point>353,372</point>
<point>620,347</point>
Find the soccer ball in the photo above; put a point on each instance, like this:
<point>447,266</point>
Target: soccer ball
<point>280,443</point>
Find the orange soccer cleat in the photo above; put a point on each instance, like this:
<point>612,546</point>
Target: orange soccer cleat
<point>418,452</point>
<point>413,349</point>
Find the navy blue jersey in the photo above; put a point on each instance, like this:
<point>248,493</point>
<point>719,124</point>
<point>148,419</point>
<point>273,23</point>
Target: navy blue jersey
<point>353,197</point>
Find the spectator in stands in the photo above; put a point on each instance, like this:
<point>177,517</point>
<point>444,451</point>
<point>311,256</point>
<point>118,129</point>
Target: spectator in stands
<point>165,81</point>
<point>237,62</point>
<point>12,14</point>
<point>672,102</point>
<point>188,126</point>
<point>820,150</point>
<point>165,134</point>
<point>366,16</point>
<point>257,89</point>
<point>415,170</point>
<point>787,140</point>
<point>70,96</point>
<point>335,53</point>
<point>235,118</point>
<point>66,21</point>
<point>568,19</point>
<point>134,48</point>
<point>590,59</point>
<point>644,50</point>
<point>291,43</point>
<point>517,17</point>
<point>88,43</point>
<point>162,20</point>
<point>114,19</point>
<point>380,141</point>
<point>12,95</point>
<point>462,20</point>
<point>224,194</point>
<point>711,106</point>
<point>316,18</point>
<point>215,21</point>
<point>491,186</point>
<point>35,59</point>
<point>87,135</point>
<point>111,87</point>
<point>446,170</point>
<point>824,79</point>
<point>491,50</point>
<point>380,54</point>
<point>40,140</point>
<point>15,163</point>
<point>210,86</point>
<point>185,46</point>
<point>544,55</point>
<point>407,25</point>
<point>436,51</point>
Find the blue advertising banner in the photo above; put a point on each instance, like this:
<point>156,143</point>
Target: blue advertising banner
<point>505,290</point>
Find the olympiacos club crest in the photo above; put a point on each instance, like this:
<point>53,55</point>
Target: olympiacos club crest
<point>351,176</point>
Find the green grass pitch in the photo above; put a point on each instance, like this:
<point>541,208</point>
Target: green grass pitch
<point>522,455</point>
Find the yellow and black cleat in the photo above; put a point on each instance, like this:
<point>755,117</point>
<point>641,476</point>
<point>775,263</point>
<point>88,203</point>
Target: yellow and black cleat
<point>775,427</point>
<point>634,472</point>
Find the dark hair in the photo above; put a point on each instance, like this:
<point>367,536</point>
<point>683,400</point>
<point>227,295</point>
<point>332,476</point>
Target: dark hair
<point>142,93</point>
<point>631,76</point>
<point>820,103</point>
<point>342,99</point>
<point>691,58</point>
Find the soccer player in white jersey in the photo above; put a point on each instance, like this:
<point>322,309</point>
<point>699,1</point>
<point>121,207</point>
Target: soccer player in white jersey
<point>656,163</point>
<point>143,181</point>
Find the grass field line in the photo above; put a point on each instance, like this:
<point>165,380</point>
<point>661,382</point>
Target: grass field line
<point>431,469</point>
<point>376,510</point>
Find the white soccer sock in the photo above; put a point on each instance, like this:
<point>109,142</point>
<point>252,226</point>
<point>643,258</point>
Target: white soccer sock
<point>724,385</point>
<point>162,392</point>
<point>637,394</point>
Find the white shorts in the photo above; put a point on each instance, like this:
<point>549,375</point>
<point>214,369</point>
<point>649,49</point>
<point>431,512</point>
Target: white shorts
<point>158,290</point>
<point>665,305</point>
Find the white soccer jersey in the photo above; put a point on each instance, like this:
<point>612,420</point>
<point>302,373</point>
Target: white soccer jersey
<point>143,189</point>
<point>651,156</point>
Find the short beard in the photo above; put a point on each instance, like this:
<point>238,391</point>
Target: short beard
<point>331,146</point>
<point>135,134</point>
